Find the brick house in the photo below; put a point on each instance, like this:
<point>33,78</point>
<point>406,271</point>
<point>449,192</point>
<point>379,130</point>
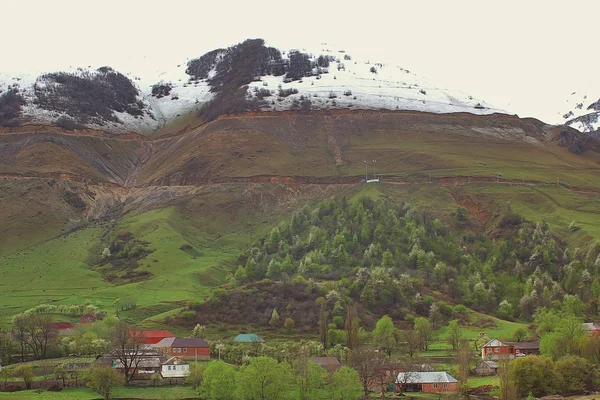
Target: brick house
<point>184,348</point>
<point>427,382</point>
<point>495,350</point>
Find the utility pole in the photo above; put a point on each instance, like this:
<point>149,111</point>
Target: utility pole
<point>374,174</point>
<point>366,166</point>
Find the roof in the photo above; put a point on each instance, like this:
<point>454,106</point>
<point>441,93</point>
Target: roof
<point>175,361</point>
<point>146,362</point>
<point>248,338</point>
<point>325,360</point>
<point>89,316</point>
<point>494,343</point>
<point>182,342</point>
<point>490,364</point>
<point>527,345</point>
<point>154,333</point>
<point>425,377</point>
<point>591,326</point>
<point>61,325</point>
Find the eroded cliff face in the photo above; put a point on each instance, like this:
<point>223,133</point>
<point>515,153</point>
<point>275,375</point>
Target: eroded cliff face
<point>63,179</point>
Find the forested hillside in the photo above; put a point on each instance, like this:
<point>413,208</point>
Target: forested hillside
<point>395,260</point>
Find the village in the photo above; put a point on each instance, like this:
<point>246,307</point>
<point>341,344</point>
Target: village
<point>158,358</point>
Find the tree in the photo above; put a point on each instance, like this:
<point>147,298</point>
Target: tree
<point>155,378</point>
<point>409,342</point>
<point>435,316</point>
<point>263,378</point>
<point>508,388</point>
<point>128,348</point>
<point>519,334</point>
<point>345,385</point>
<point>196,375</point>
<point>24,372</point>
<point>352,327</point>
<point>5,376</point>
<point>577,375</point>
<point>323,324</point>
<point>367,363</point>
<point>454,334</point>
<point>464,355</point>
<point>219,381</point>
<point>532,374</point>
<point>384,334</point>
<point>6,346</point>
<point>60,372</point>
<point>424,332</point>
<point>274,321</point>
<point>102,379</point>
<point>289,324</point>
<point>199,331</point>
<point>311,378</point>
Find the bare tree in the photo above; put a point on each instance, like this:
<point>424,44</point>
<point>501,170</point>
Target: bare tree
<point>464,356</point>
<point>128,348</point>
<point>409,342</point>
<point>508,389</point>
<point>368,363</point>
<point>37,328</point>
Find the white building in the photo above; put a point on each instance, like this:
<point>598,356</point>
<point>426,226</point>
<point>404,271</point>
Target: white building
<point>175,367</point>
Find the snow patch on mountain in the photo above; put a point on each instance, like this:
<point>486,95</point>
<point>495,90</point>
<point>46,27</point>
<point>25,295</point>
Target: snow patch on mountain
<point>583,112</point>
<point>346,83</point>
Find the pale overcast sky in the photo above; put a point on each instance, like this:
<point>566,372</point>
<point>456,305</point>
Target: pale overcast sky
<point>529,54</point>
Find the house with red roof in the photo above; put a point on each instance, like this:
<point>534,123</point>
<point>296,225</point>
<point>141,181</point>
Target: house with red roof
<point>61,328</point>
<point>87,319</point>
<point>184,348</point>
<point>152,336</point>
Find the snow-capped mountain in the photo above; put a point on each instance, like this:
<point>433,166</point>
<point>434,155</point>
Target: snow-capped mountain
<point>583,112</point>
<point>273,80</point>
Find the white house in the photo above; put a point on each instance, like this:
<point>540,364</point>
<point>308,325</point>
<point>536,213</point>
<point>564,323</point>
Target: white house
<point>175,367</point>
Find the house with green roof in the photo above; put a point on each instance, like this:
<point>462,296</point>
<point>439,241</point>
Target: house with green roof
<point>248,338</point>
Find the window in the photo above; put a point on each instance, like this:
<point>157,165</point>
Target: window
<point>445,386</point>
<point>168,367</point>
<point>185,349</point>
<point>435,386</point>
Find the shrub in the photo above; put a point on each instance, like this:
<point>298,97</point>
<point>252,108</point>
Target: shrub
<point>68,123</point>
<point>11,103</point>
<point>89,97</point>
<point>348,93</point>
<point>300,65</point>
<point>573,227</point>
<point>373,70</point>
<point>287,92</point>
<point>161,89</point>
<point>332,95</point>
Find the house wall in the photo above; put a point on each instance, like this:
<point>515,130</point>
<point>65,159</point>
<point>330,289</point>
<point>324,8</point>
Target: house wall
<point>440,387</point>
<point>190,353</point>
<point>496,352</point>
<point>176,371</point>
<point>485,371</point>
